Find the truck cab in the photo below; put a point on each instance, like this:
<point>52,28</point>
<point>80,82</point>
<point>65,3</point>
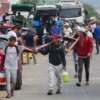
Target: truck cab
<point>72,10</point>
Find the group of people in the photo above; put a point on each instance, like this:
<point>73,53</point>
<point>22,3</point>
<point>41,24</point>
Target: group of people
<point>82,50</point>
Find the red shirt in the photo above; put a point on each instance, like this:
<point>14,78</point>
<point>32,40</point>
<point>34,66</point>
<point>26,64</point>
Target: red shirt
<point>85,46</point>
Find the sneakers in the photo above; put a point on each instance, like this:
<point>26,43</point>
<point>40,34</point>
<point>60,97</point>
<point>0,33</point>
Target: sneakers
<point>58,91</point>
<point>76,76</point>
<point>12,93</point>
<point>97,53</point>
<point>87,84</point>
<point>49,93</point>
<point>78,84</point>
<point>8,96</point>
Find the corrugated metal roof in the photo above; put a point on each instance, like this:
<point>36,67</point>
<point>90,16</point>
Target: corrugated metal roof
<point>4,1</point>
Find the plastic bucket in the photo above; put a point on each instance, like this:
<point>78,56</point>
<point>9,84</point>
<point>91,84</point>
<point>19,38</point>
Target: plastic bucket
<point>65,77</point>
<point>2,78</point>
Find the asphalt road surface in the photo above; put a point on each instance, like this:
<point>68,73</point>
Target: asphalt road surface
<point>35,82</point>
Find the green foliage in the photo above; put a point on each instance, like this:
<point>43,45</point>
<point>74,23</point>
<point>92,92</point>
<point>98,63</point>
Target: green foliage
<point>91,11</point>
<point>33,2</point>
<point>43,1</point>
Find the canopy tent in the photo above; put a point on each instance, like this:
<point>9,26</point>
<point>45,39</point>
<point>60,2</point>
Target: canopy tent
<point>22,7</point>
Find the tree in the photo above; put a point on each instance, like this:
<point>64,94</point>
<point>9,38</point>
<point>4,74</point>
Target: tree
<point>43,1</point>
<point>33,2</point>
<point>91,11</point>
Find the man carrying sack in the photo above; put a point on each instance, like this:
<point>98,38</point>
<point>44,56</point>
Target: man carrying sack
<point>85,48</point>
<point>57,63</point>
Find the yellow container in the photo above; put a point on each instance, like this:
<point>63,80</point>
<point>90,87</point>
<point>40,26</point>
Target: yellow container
<point>24,57</point>
<point>65,76</point>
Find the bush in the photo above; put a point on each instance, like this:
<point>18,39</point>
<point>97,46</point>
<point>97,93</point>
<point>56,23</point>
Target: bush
<point>91,11</point>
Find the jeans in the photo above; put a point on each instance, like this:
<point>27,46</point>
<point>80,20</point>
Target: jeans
<point>86,62</point>
<point>76,61</point>
<point>97,43</point>
<point>44,38</point>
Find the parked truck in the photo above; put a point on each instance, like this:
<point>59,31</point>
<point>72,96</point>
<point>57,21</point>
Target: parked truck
<point>71,10</point>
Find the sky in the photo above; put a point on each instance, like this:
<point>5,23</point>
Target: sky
<point>94,3</point>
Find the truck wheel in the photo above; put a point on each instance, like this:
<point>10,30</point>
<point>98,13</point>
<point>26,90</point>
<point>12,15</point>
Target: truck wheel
<point>19,81</point>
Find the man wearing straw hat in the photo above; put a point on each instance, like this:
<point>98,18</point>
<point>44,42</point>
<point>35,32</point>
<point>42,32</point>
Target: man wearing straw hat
<point>85,48</point>
<point>67,30</point>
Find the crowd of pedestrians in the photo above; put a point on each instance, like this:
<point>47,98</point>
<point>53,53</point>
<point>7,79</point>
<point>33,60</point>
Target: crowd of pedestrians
<point>52,31</point>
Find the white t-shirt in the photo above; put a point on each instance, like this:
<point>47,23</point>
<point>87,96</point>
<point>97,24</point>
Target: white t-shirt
<point>11,57</point>
<point>89,34</point>
<point>45,31</point>
<point>12,33</point>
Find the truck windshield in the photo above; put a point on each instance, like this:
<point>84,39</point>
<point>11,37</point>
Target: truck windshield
<point>69,13</point>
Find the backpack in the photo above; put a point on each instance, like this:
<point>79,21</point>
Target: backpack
<point>17,51</point>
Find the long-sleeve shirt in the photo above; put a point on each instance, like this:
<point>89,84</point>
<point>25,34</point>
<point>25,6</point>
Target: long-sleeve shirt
<point>56,54</point>
<point>85,46</point>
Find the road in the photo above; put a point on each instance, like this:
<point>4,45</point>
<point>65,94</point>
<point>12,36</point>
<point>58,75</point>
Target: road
<point>35,82</point>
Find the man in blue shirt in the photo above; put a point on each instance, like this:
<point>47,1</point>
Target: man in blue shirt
<point>56,30</point>
<point>59,22</point>
<point>30,42</point>
<point>97,37</point>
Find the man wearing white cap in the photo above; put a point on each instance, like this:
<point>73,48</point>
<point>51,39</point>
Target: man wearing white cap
<point>67,30</point>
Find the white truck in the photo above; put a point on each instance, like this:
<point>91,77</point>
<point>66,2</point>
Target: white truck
<point>46,10</point>
<point>71,10</point>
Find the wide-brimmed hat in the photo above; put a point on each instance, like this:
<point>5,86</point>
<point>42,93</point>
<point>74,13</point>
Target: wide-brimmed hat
<point>83,30</point>
<point>66,24</point>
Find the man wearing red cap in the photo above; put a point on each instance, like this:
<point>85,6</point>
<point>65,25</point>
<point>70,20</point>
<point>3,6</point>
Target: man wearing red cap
<point>57,63</point>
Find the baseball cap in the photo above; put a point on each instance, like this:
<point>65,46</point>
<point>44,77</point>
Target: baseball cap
<point>54,36</point>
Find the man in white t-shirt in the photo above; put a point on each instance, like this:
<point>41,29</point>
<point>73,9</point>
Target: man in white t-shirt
<point>89,33</point>
<point>11,53</point>
<point>13,33</point>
